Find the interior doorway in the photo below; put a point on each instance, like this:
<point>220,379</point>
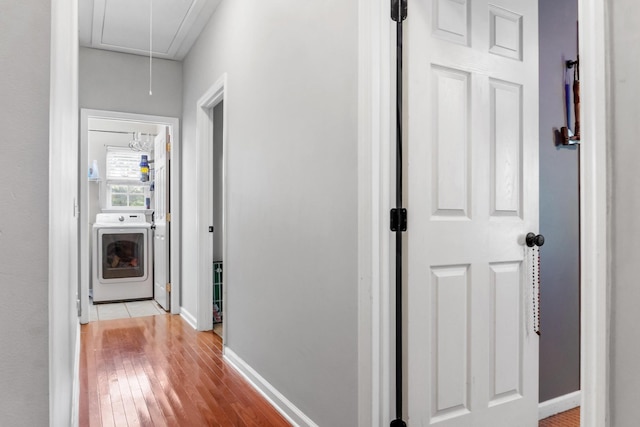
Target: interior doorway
<point>105,145</point>
<point>217,209</point>
<point>211,152</point>
<point>376,355</point>
<point>559,376</point>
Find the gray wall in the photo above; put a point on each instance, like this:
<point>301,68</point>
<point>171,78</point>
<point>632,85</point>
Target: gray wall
<point>291,269</point>
<point>625,222</point>
<point>559,208</point>
<point>24,205</point>
<point>120,82</point>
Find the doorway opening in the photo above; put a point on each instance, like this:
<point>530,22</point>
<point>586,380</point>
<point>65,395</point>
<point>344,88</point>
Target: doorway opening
<point>217,203</point>
<point>128,174</point>
<point>211,152</point>
<point>559,351</point>
<point>375,298</point>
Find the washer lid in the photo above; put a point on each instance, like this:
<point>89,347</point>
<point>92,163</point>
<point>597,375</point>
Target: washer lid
<point>120,218</point>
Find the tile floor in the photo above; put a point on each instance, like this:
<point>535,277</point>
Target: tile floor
<point>124,310</point>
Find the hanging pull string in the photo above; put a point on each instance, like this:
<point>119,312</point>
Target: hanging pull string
<point>535,294</point>
<point>150,46</point>
<point>538,331</point>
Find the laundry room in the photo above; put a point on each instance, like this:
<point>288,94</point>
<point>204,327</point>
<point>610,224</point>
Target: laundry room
<point>120,121</point>
<point>121,202</point>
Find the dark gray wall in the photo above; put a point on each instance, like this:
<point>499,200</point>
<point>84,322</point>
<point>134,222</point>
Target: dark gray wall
<point>559,209</point>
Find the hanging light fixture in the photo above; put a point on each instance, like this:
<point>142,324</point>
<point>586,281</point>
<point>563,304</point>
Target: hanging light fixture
<point>140,142</point>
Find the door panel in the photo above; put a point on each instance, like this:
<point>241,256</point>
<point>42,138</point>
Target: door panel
<point>506,148</point>
<point>506,319</point>
<point>451,337</point>
<point>472,133</point>
<point>161,233</point>
<point>451,143</point>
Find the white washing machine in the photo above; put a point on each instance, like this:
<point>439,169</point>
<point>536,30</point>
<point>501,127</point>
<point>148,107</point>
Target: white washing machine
<point>122,257</point>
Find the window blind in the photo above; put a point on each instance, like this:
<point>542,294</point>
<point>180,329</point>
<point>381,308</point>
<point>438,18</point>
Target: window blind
<point>123,164</point>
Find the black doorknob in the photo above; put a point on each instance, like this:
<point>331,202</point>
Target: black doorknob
<point>533,240</point>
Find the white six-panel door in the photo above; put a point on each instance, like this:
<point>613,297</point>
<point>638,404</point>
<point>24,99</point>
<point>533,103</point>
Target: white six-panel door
<point>161,233</point>
<point>472,163</point>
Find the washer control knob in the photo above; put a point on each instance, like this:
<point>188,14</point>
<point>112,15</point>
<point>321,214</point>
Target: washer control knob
<point>121,218</point>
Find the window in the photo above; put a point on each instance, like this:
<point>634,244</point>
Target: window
<point>121,195</point>
<point>124,189</point>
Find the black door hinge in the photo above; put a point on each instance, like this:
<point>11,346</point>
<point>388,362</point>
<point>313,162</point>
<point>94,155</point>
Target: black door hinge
<point>399,219</point>
<point>398,10</point>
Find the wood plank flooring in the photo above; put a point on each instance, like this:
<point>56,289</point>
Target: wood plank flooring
<point>570,418</point>
<point>158,371</point>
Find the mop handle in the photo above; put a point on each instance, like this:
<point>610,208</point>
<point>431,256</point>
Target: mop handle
<point>567,99</point>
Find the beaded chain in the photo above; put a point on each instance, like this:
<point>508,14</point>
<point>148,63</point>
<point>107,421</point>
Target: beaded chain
<point>535,295</point>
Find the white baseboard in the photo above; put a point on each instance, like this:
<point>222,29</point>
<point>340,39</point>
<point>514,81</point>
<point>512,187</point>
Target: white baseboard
<point>75,387</point>
<point>559,404</point>
<point>283,405</point>
<point>189,318</point>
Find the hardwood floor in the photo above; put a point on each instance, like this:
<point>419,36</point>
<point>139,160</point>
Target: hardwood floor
<point>570,418</point>
<point>158,371</point>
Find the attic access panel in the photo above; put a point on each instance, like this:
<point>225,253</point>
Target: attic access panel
<point>123,26</point>
<point>125,23</point>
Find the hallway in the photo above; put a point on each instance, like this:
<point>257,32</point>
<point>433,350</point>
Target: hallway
<point>158,371</point>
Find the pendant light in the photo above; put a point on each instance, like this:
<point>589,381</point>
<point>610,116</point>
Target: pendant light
<point>141,142</point>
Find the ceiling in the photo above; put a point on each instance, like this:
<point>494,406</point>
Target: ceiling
<point>123,25</point>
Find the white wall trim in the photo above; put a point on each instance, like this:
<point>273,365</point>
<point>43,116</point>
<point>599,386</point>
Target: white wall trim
<point>283,405</point>
<point>84,234</point>
<point>85,249</point>
<point>62,238</point>
<point>204,201</point>
<point>594,318</point>
<point>559,404</point>
<point>189,318</point>
<point>374,201</point>
<point>75,408</point>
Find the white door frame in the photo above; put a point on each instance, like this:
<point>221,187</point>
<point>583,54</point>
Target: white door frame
<point>204,193</point>
<point>594,224</point>
<point>375,137</point>
<point>85,231</point>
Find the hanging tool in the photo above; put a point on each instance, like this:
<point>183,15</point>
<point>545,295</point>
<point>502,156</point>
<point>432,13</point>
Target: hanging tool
<point>567,98</point>
<point>569,137</point>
